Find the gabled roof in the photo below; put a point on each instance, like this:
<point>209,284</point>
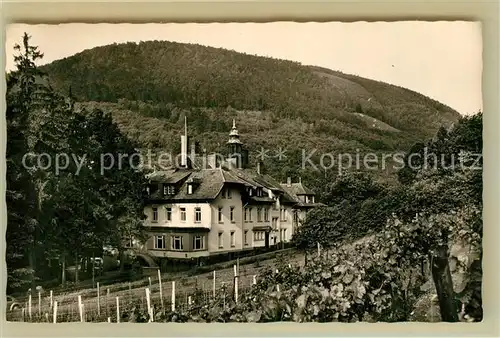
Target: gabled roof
<point>210,182</point>
<point>265,181</point>
<point>297,189</point>
<point>171,176</point>
<point>233,177</point>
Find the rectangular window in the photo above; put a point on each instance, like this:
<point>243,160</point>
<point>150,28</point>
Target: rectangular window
<point>250,214</point>
<point>168,213</point>
<point>159,242</point>
<point>177,243</point>
<point>155,214</point>
<point>168,190</point>
<point>233,239</point>
<point>220,214</point>
<point>259,214</point>
<point>246,237</point>
<point>198,242</point>
<point>229,194</point>
<point>274,222</point>
<point>284,234</point>
<point>221,240</point>
<point>258,235</point>
<point>245,217</point>
<point>197,215</point>
<point>183,214</point>
<point>266,215</point>
<point>285,214</point>
<point>232,214</point>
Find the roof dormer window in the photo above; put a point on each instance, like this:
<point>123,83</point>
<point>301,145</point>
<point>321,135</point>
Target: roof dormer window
<point>168,190</point>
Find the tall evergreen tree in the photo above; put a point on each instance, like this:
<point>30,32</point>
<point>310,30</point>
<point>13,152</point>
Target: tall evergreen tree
<point>64,214</point>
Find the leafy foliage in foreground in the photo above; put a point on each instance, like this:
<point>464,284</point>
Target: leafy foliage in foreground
<point>437,206</point>
<point>378,279</point>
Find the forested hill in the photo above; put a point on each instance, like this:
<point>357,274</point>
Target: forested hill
<point>150,86</point>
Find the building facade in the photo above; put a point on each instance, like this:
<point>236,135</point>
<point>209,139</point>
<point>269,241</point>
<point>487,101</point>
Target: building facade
<point>210,206</point>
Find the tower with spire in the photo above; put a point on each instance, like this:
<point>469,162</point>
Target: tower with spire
<point>236,153</point>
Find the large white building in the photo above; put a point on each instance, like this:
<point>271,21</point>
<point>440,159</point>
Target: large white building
<point>210,206</point>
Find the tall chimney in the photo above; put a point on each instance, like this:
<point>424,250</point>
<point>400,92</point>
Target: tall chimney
<point>184,145</point>
<point>289,181</point>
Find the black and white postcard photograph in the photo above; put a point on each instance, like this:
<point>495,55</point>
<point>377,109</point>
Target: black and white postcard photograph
<point>301,172</point>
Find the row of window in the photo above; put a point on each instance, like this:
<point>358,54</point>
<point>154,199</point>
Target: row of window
<point>221,240</point>
<point>198,242</point>
<point>257,192</point>
<point>247,214</point>
<point>177,242</point>
<point>249,211</point>
<point>170,189</point>
<point>220,217</point>
<point>168,214</point>
<point>197,214</point>
<point>259,235</point>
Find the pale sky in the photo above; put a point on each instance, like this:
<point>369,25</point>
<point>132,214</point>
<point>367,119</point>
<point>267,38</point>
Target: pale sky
<point>442,60</point>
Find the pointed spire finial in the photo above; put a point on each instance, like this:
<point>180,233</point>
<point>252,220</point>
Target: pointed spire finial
<point>234,124</point>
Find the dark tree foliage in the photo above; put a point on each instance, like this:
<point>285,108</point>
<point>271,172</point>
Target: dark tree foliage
<point>62,215</point>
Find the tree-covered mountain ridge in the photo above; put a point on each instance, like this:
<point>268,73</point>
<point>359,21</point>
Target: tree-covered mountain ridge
<point>149,87</point>
<point>194,75</point>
